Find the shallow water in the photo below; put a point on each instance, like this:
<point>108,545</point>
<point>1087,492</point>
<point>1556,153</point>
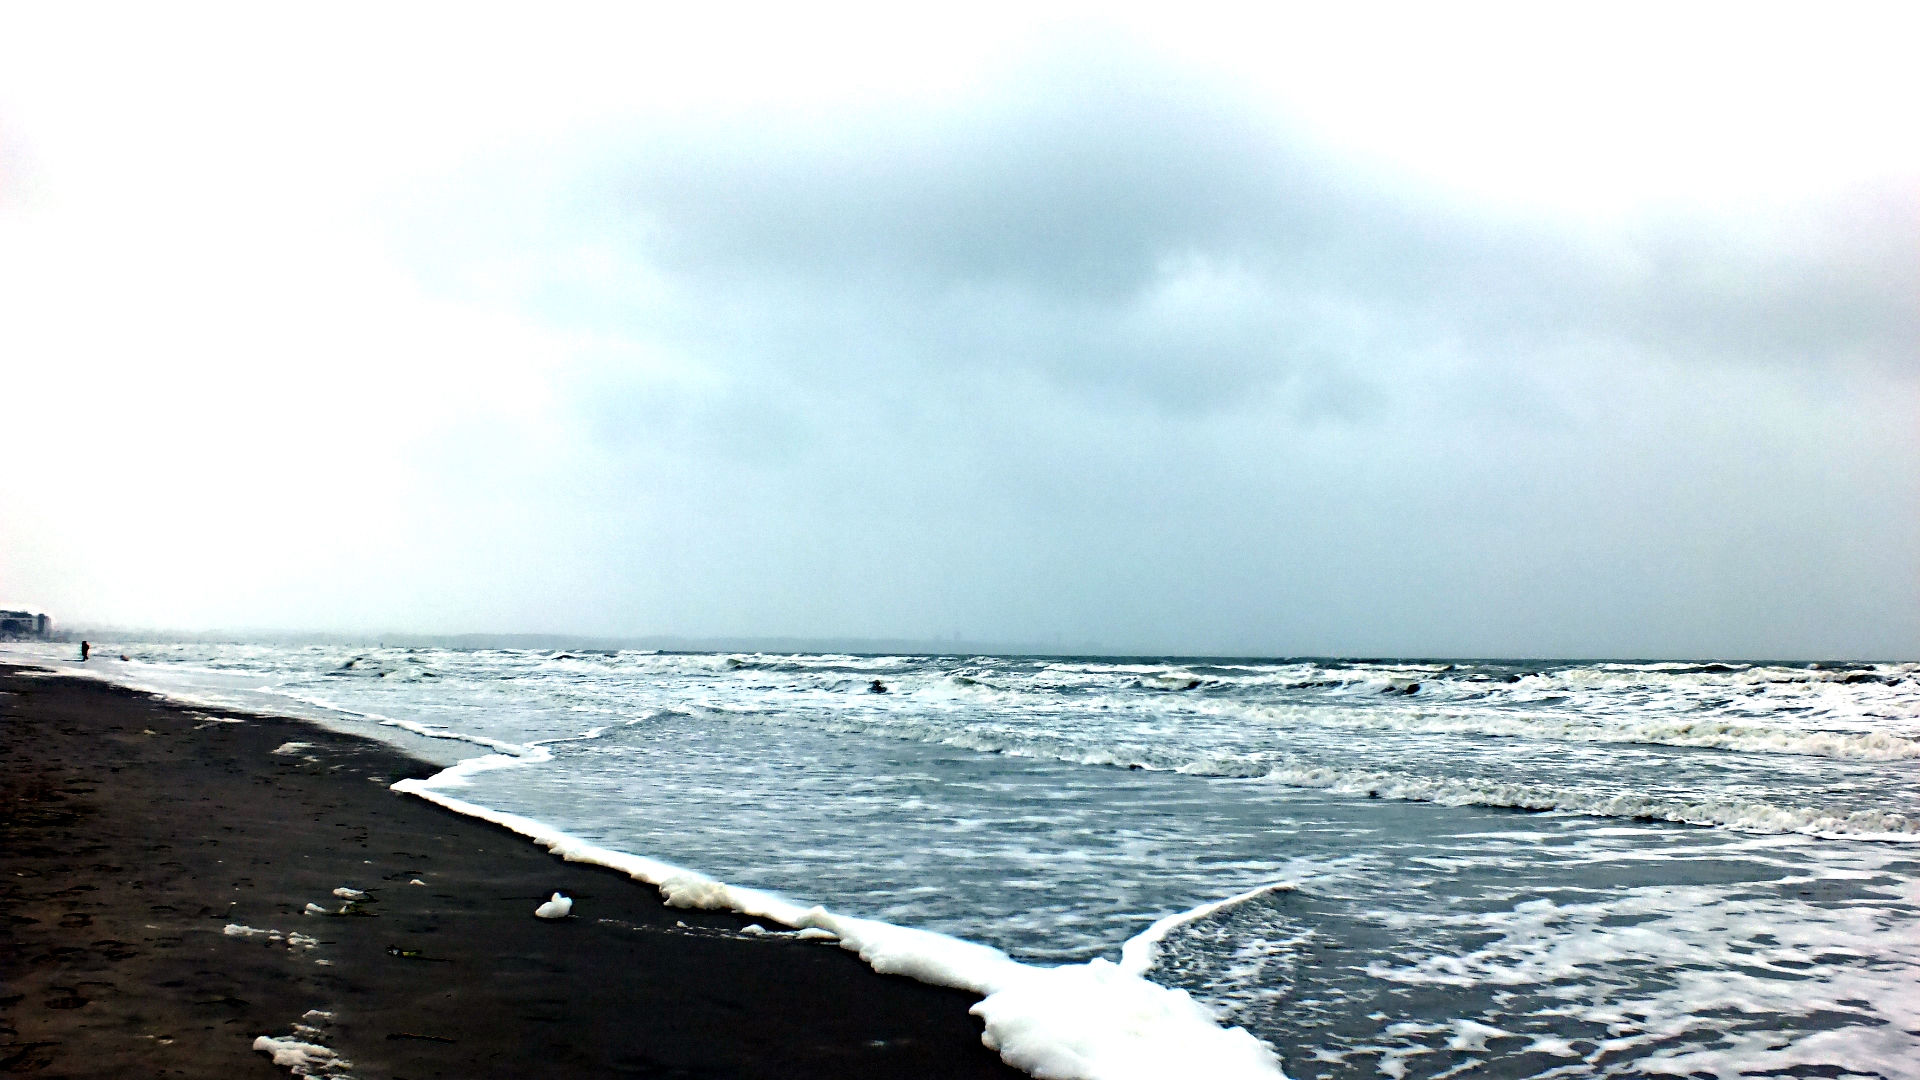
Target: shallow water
<point>1519,869</point>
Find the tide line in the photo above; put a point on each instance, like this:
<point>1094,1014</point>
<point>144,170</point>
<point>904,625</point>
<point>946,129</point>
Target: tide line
<point>1091,1021</point>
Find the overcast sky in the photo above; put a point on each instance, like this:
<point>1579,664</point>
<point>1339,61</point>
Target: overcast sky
<point>1490,331</point>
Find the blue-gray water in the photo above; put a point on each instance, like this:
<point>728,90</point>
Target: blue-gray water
<point>1533,869</point>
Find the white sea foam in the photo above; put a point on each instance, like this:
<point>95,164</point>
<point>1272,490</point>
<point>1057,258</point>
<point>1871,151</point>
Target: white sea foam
<point>303,1058</point>
<point>1092,1021</point>
<point>1725,953</point>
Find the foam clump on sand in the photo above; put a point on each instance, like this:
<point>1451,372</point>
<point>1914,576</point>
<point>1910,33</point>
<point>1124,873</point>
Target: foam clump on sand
<point>295,940</point>
<point>302,1058</point>
<point>1092,1021</point>
<point>556,908</point>
<point>345,893</point>
<point>690,890</point>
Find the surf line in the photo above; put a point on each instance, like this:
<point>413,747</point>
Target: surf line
<point>1093,1021</point>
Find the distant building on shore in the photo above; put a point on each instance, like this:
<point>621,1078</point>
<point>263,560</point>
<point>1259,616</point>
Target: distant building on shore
<point>24,624</point>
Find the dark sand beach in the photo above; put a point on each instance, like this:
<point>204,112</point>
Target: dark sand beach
<point>136,831</point>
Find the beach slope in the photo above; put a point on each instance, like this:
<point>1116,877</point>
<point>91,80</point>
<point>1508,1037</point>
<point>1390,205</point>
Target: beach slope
<point>157,867</point>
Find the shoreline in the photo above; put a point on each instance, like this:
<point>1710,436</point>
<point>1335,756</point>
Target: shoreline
<point>161,857</point>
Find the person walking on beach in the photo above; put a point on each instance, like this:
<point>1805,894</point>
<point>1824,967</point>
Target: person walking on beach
<point>85,649</point>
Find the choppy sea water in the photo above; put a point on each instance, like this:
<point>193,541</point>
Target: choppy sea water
<point>1504,869</point>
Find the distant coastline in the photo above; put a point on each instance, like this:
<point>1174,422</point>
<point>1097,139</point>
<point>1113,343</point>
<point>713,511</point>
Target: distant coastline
<point>882,646</point>
<point>26,626</point>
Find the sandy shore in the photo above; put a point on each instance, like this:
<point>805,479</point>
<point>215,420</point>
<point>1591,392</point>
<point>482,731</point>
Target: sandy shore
<point>141,841</point>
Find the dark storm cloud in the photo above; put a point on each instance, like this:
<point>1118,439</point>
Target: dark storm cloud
<point>1116,223</point>
<point>1111,351</point>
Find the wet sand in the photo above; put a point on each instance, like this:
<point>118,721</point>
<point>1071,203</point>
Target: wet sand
<point>134,832</point>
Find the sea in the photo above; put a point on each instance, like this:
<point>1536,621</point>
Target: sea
<point>1322,868</point>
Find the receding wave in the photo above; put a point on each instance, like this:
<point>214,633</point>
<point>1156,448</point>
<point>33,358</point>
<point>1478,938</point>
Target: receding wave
<point>1091,1021</point>
<point>1541,716</point>
<point>1704,810</point>
<point>1752,816</point>
<point>1695,733</point>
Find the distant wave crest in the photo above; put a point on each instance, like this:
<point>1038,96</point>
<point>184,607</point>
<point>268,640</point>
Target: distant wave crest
<point>1751,816</point>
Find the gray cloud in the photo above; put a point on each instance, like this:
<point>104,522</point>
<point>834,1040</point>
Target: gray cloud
<point>1109,352</point>
<point>1038,226</point>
